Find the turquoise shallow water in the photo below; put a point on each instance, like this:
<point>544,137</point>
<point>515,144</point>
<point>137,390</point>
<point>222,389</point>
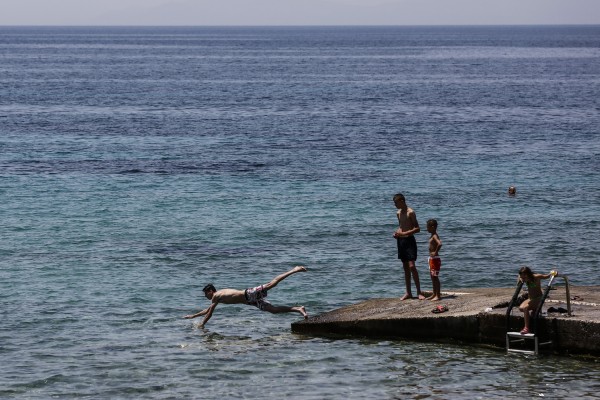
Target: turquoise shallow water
<point>137,164</point>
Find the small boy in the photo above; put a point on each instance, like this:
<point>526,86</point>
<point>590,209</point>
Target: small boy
<point>435,262</point>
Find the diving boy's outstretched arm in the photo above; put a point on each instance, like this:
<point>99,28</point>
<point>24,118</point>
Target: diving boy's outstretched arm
<point>208,312</point>
<point>198,314</point>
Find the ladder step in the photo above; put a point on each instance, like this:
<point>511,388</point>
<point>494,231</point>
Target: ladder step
<point>521,351</point>
<point>518,334</point>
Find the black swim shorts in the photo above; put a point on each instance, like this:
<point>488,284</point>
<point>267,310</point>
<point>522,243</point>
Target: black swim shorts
<point>407,248</point>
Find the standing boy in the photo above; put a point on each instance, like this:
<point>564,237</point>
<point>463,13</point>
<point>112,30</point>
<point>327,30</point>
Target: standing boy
<point>435,262</point>
<point>407,245</point>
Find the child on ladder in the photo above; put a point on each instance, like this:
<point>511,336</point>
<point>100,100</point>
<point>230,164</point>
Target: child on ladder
<point>534,288</point>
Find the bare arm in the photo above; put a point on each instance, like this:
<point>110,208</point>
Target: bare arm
<point>540,276</point>
<point>198,314</point>
<point>437,245</point>
<point>209,313</point>
<point>416,228</point>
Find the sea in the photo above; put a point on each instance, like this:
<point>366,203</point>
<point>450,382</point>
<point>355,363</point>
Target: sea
<point>138,164</point>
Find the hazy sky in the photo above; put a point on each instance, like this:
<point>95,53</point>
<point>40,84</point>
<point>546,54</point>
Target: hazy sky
<point>298,12</point>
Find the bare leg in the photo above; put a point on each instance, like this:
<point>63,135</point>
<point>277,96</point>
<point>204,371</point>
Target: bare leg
<point>525,308</point>
<point>284,309</point>
<point>408,294</point>
<point>281,277</point>
<point>415,276</point>
<point>437,295</point>
<point>531,309</point>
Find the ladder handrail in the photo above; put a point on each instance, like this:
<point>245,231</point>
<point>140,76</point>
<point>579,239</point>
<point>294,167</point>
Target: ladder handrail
<point>512,304</point>
<point>538,310</point>
<point>567,291</point>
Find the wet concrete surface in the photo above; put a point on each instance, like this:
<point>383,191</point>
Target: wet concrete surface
<point>468,318</point>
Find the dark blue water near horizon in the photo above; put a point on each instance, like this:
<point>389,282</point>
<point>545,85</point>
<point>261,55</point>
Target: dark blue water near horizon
<point>139,163</point>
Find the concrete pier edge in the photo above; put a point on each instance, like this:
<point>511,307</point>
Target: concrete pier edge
<point>467,320</point>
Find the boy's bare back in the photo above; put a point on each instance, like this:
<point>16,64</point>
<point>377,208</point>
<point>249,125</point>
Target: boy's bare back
<point>229,296</point>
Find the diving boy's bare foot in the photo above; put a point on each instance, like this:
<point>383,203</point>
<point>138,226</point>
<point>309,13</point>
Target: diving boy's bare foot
<point>421,296</point>
<point>406,296</point>
<point>301,310</point>
<point>434,298</point>
<point>300,268</point>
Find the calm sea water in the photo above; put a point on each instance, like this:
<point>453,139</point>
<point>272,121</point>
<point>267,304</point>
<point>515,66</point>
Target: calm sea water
<point>138,164</point>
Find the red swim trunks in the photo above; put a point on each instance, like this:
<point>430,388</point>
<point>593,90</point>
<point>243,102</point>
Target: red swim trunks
<point>435,263</point>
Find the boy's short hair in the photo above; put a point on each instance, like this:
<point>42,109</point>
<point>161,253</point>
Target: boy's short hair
<point>399,196</point>
<point>209,288</point>
<point>432,222</point>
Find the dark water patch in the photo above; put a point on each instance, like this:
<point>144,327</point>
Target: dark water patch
<point>132,167</point>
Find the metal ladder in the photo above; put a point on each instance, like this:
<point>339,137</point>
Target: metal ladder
<point>518,338</point>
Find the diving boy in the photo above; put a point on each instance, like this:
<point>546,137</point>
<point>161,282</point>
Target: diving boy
<point>252,296</point>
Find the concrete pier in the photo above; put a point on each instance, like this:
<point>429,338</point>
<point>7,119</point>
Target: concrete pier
<point>467,320</point>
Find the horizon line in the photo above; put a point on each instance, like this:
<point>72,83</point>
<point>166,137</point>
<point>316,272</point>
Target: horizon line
<point>283,25</point>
